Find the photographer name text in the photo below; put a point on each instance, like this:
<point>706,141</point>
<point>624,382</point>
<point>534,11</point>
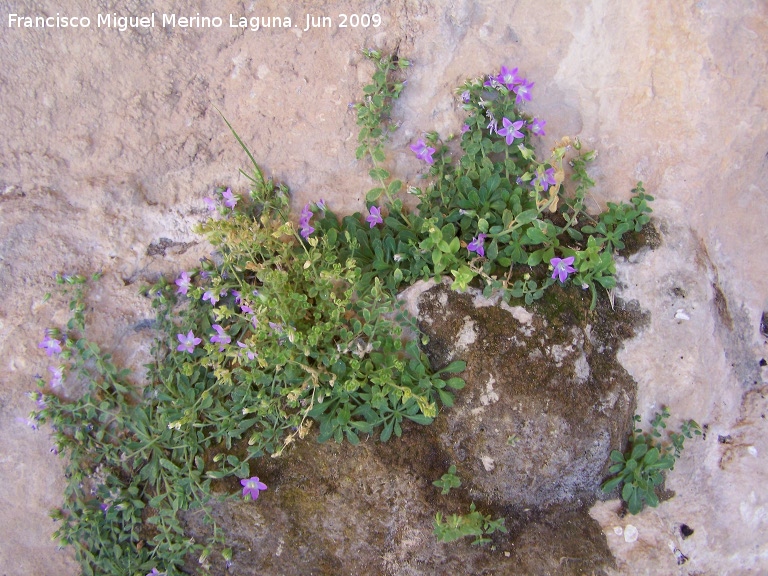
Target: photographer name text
<point>153,20</point>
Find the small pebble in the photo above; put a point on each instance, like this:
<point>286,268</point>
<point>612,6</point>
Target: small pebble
<point>630,533</point>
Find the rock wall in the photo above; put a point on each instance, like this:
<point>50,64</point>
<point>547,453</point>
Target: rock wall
<point>111,140</point>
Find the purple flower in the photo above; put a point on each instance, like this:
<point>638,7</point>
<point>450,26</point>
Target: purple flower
<point>537,127</point>
<point>236,294</point>
<point>210,203</point>
<point>508,77</point>
<point>523,91</point>
<point>321,205</point>
<point>32,423</point>
<point>57,376</point>
<point>477,245</point>
<point>465,96</point>
<point>229,199</point>
<point>306,216</point>
<point>546,180</point>
<point>423,152</point>
<point>562,267</point>
<point>511,130</point>
<point>221,336</point>
<point>51,345</point>
<point>465,128</point>
<point>493,125</point>
<point>188,342</point>
<point>374,217</point>
<point>39,399</point>
<point>276,327</point>
<point>211,296</point>
<point>252,486</point>
<point>250,353</point>
<point>245,309</point>
<point>183,282</point>
<point>155,573</point>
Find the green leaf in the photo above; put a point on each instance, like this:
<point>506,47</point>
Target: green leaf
<point>627,492</point>
<point>386,433</point>
<point>609,485</point>
<point>535,235</point>
<point>379,174</point>
<point>493,250</point>
<point>454,367</point>
<point>527,216</point>
<point>374,194</point>
<point>455,383</point>
<point>394,187</point>
<point>651,457</point>
<point>638,451</point>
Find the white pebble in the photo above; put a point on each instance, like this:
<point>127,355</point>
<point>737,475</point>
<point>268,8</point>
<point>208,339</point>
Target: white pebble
<point>681,315</point>
<point>630,533</point>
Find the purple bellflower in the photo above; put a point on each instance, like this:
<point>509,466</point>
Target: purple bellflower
<point>252,486</point>
<point>306,216</point>
<point>546,180</point>
<point>229,199</point>
<point>220,337</point>
<point>511,130</point>
<point>211,296</point>
<point>508,77</point>
<point>57,376</point>
<point>423,152</point>
<point>537,127</point>
<point>477,245</point>
<point>210,203</point>
<point>523,91</point>
<point>250,353</point>
<point>188,342</point>
<point>374,217</point>
<point>51,345</point>
<point>562,267</point>
<point>183,282</point>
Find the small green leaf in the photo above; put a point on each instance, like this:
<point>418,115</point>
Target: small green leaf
<point>609,485</point>
<point>527,216</point>
<point>638,451</point>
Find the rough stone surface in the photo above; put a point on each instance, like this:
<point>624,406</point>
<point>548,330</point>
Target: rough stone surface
<point>110,141</point>
<point>546,400</point>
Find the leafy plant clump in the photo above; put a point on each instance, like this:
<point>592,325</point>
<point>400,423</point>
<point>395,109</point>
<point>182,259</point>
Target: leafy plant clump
<point>448,481</point>
<point>497,215</point>
<point>458,526</point>
<point>293,325</point>
<point>640,469</point>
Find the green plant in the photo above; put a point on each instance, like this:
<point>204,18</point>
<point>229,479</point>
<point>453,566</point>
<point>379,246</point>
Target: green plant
<point>447,481</point>
<point>456,526</point>
<point>640,469</point>
<point>288,326</point>
<point>497,215</point>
